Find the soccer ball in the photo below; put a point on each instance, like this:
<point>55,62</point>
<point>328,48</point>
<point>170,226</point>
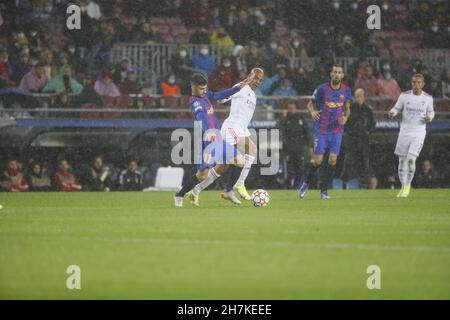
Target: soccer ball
<point>260,198</point>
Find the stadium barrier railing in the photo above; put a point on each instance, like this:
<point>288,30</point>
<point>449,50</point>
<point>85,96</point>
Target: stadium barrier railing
<point>177,107</point>
<point>152,61</point>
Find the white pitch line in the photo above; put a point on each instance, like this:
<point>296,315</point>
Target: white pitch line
<point>286,244</point>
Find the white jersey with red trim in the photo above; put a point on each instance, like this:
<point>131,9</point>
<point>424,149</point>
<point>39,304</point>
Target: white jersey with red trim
<point>414,108</point>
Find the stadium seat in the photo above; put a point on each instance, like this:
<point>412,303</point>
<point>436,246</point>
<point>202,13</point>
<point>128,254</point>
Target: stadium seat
<point>337,184</point>
<point>89,115</point>
<point>352,184</point>
<point>167,179</point>
<point>110,103</point>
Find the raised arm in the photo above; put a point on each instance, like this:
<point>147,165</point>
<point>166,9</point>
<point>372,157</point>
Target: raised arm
<point>227,93</point>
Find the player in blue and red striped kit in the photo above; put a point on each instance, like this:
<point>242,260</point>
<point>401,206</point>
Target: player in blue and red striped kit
<point>333,100</point>
<point>216,153</point>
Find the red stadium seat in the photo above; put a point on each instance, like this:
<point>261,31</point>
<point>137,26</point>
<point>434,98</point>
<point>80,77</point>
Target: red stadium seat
<point>124,101</point>
<point>168,38</point>
<point>182,38</point>
<point>89,115</point>
<point>164,29</point>
<point>179,30</point>
<point>110,103</point>
<point>149,102</point>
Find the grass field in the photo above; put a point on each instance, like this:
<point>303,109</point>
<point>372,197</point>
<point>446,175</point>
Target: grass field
<point>138,246</point>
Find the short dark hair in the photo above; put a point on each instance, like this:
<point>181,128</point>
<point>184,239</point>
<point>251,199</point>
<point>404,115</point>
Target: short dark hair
<point>198,79</point>
<point>336,65</point>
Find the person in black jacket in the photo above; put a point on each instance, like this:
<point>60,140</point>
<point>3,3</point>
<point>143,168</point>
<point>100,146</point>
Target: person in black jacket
<point>131,179</point>
<point>97,177</point>
<point>296,142</point>
<point>358,129</point>
<point>427,177</point>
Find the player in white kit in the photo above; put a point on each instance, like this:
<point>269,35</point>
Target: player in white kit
<point>417,110</point>
<point>235,131</point>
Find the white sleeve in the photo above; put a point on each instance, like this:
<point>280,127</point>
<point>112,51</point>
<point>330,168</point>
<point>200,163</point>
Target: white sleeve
<point>430,109</point>
<point>398,106</point>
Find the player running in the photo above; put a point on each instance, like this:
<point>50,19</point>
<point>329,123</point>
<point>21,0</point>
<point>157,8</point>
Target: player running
<point>235,132</point>
<point>210,168</point>
<point>417,110</point>
<point>331,98</point>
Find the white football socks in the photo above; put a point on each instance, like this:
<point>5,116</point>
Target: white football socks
<point>411,164</point>
<point>210,178</point>
<point>402,170</point>
<point>244,173</point>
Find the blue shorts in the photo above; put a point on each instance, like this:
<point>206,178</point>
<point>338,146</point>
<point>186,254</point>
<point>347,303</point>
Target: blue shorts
<point>324,141</point>
<point>215,153</point>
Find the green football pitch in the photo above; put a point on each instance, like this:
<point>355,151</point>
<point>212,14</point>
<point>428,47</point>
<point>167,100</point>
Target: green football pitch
<point>138,246</point>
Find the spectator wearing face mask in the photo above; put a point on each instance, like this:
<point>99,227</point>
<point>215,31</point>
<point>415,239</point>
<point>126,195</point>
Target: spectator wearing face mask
<point>436,37</point>
<point>170,87</point>
<point>387,84</point>
<point>203,61</point>
<point>221,37</point>
<point>224,76</point>
<point>270,50</point>
<point>181,65</point>
<point>297,46</point>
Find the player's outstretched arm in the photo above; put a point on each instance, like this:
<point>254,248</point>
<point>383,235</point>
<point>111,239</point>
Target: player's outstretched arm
<point>227,93</point>
<point>223,95</point>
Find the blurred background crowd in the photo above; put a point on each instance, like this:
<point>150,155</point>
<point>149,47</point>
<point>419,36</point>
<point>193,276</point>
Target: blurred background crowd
<point>39,54</point>
<point>43,63</point>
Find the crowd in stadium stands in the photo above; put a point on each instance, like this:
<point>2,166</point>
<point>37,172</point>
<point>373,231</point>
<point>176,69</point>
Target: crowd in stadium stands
<point>37,176</point>
<point>39,54</point>
<point>96,176</point>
